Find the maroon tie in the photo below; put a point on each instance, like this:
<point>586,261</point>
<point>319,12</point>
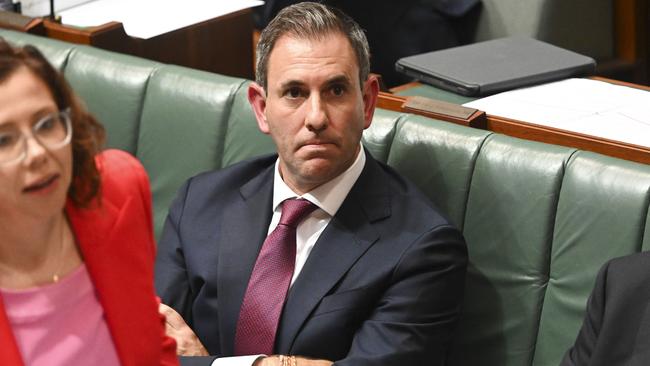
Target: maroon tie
<point>269,283</point>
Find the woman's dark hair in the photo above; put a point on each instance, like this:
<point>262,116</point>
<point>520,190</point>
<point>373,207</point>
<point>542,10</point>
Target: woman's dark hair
<point>87,134</point>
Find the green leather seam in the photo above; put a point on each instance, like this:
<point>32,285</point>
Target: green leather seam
<point>393,132</point>
<point>549,257</point>
<point>474,158</point>
<point>644,229</point>
<point>72,51</point>
<point>68,54</point>
<point>565,167</point>
<point>227,113</point>
<point>156,69</point>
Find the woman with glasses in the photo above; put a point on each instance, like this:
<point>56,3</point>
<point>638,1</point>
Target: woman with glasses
<point>76,241</point>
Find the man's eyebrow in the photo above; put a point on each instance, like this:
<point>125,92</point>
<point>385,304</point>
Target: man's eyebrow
<point>290,84</point>
<point>339,79</point>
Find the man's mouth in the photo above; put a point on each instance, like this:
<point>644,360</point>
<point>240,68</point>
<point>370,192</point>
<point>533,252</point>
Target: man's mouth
<point>317,143</point>
<point>41,184</point>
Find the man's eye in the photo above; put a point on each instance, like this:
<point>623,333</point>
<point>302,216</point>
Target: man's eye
<point>293,93</point>
<point>338,90</point>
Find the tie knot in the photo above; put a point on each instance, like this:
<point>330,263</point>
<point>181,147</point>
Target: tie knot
<point>295,210</point>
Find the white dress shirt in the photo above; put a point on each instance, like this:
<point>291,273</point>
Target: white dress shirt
<point>328,197</point>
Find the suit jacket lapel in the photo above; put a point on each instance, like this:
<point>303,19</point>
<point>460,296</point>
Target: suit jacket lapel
<point>92,229</point>
<point>86,232</point>
<point>101,233</point>
<point>243,232</point>
<point>349,234</point>
<point>9,354</point>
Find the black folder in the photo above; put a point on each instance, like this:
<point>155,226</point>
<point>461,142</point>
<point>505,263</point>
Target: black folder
<point>497,65</point>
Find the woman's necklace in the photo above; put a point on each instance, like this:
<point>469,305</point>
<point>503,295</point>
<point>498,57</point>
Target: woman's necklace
<point>55,275</point>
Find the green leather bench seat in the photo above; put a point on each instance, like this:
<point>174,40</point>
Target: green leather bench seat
<point>539,219</point>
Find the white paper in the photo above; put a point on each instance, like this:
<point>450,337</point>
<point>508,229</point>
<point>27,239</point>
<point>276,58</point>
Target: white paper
<point>39,8</point>
<point>585,106</point>
<point>149,18</point>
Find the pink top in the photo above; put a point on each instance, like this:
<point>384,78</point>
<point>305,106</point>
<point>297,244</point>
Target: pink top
<point>60,324</point>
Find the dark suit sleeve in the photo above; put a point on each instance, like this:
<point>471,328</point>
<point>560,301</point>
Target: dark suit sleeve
<point>172,282</point>
<point>414,319</point>
<point>582,350</point>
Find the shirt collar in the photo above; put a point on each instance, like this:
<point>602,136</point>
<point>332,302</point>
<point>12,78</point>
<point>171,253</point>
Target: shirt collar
<point>329,196</point>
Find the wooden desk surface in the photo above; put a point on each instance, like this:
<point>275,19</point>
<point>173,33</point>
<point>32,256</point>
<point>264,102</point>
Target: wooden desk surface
<point>419,89</point>
<point>526,130</point>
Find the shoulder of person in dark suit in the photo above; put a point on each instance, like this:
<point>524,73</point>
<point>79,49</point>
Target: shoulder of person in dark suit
<point>616,315</point>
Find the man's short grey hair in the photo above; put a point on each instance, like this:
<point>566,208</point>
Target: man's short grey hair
<point>313,21</point>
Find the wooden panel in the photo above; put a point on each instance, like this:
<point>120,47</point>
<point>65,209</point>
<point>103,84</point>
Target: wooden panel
<point>625,23</point>
<point>631,39</point>
<point>19,22</point>
<point>221,45</point>
<point>400,104</point>
<point>555,136</point>
<point>109,36</point>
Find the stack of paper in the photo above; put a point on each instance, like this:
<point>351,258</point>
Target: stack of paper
<point>585,106</point>
<point>39,8</point>
<point>149,18</point>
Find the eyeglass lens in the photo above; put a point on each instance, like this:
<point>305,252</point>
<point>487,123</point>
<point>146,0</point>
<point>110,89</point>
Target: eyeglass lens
<point>52,131</point>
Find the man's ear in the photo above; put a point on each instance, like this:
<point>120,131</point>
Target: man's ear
<point>370,93</point>
<point>257,99</point>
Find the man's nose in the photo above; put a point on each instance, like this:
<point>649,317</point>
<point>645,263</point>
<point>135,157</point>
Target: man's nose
<point>316,119</point>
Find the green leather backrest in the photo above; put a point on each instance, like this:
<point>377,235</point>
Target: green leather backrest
<point>243,139</point>
<point>184,111</point>
<point>56,52</point>
<point>379,138</point>
<point>113,89</point>
<point>601,214</point>
<point>440,159</point>
<point>509,219</point>
<point>539,219</point>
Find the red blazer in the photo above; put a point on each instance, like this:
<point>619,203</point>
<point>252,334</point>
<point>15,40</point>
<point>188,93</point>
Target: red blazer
<point>117,244</point>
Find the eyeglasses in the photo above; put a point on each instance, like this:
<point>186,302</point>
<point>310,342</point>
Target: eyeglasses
<point>52,132</point>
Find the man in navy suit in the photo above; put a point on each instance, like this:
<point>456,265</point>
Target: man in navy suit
<point>616,328</point>
<point>379,272</point>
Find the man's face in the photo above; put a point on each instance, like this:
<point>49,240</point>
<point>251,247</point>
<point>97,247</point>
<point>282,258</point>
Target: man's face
<point>314,108</point>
